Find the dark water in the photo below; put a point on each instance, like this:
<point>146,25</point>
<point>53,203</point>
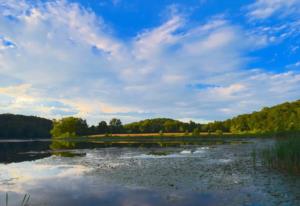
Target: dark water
<point>146,172</point>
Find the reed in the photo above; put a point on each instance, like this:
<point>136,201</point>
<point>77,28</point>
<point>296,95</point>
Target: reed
<point>284,155</point>
<point>25,201</point>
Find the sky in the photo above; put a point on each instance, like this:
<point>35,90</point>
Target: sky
<point>199,60</point>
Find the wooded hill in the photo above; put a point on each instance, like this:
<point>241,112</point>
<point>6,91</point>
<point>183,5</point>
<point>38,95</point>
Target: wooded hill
<point>282,117</point>
<point>25,127</point>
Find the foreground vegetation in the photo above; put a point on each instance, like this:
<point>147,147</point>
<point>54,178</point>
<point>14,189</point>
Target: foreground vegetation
<point>25,201</point>
<point>284,155</point>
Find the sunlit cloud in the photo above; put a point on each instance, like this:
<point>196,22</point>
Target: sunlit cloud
<point>60,59</point>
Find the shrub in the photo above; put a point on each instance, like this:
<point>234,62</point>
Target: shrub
<point>196,132</point>
<point>219,132</point>
<point>186,133</point>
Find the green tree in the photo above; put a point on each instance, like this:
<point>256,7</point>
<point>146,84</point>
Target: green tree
<point>115,125</point>
<point>171,126</point>
<point>20,126</point>
<point>280,118</point>
<point>69,127</point>
<point>192,126</point>
<point>102,127</point>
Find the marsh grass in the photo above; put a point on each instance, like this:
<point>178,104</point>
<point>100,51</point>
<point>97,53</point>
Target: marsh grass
<point>253,155</point>
<point>284,155</point>
<point>25,201</point>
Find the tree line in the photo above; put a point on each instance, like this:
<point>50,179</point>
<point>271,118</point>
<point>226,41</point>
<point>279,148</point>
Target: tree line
<point>73,127</point>
<point>279,118</point>
<point>27,127</point>
<point>283,117</point>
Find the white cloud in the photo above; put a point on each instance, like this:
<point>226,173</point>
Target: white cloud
<point>252,90</point>
<point>149,43</point>
<point>66,61</point>
<point>263,9</point>
<point>23,99</point>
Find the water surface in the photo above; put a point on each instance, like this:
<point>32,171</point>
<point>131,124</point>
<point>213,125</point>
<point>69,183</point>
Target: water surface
<point>181,172</point>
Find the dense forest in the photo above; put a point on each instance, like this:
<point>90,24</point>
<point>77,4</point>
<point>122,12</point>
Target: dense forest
<point>279,118</point>
<point>160,125</point>
<point>282,117</point>
<point>72,127</point>
<point>27,127</point>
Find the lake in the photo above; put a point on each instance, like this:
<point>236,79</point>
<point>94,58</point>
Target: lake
<point>143,172</point>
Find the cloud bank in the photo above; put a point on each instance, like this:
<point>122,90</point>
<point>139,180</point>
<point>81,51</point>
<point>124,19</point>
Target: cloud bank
<point>59,59</point>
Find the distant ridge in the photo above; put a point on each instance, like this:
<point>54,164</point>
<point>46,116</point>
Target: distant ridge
<point>25,127</point>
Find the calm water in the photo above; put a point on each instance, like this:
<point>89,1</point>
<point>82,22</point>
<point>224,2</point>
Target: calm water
<point>184,172</point>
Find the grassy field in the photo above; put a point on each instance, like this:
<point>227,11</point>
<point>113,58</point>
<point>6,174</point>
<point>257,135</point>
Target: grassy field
<point>159,135</point>
<point>284,134</point>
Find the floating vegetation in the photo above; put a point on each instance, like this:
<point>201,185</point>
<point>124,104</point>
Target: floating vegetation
<point>284,155</point>
<point>159,153</point>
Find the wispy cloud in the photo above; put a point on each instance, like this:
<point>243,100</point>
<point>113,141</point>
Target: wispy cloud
<point>66,61</point>
<point>263,9</point>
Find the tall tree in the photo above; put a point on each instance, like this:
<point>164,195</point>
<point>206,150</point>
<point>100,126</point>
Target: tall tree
<point>102,127</point>
<point>69,127</point>
<point>115,125</point>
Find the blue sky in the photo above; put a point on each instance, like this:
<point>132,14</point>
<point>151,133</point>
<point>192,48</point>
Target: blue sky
<point>185,59</point>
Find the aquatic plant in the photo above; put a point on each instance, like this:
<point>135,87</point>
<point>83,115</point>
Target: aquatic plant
<point>25,201</point>
<point>159,153</point>
<point>253,155</point>
<point>284,155</point>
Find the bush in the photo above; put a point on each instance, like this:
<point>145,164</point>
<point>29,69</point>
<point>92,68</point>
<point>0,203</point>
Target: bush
<point>107,134</point>
<point>196,132</point>
<point>161,133</point>
<point>219,132</point>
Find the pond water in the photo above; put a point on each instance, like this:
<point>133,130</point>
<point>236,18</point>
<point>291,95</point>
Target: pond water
<point>181,172</point>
